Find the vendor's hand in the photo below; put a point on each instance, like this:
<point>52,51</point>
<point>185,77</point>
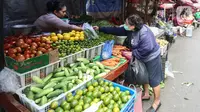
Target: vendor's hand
<point>96,27</point>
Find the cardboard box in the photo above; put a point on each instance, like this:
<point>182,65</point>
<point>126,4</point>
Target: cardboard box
<point>33,63</point>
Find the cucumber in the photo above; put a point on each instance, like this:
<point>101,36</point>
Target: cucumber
<point>100,75</point>
<point>107,70</point>
<point>66,72</point>
<point>98,70</point>
<point>88,71</point>
<point>35,89</point>
<point>26,90</point>
<point>76,70</point>
<point>57,79</point>
<point>100,65</point>
<point>91,65</point>
<point>84,60</point>
<point>69,86</point>
<point>71,71</point>
<point>48,77</point>
<point>55,93</point>
<point>50,85</point>
<point>43,100</point>
<point>80,75</point>
<point>39,86</point>
<point>70,78</point>
<point>30,95</point>
<point>37,80</point>
<point>37,101</point>
<point>95,67</point>
<point>44,92</point>
<point>59,74</point>
<point>50,99</point>
<point>64,88</point>
<point>83,66</point>
<point>78,81</point>
<point>58,86</point>
<point>57,70</point>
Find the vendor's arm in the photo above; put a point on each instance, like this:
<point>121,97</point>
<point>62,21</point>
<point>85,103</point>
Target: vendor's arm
<point>60,24</point>
<point>119,31</point>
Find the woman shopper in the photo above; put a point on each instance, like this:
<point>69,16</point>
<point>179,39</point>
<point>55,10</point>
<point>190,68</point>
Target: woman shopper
<point>144,48</point>
<point>52,22</point>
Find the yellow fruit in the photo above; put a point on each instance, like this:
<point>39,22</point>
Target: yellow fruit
<point>73,31</point>
<point>53,34</point>
<point>81,37</point>
<point>66,37</point>
<point>76,38</point>
<point>60,36</point>
<point>65,34</point>
<point>77,35</point>
<point>72,38</point>
<point>54,38</point>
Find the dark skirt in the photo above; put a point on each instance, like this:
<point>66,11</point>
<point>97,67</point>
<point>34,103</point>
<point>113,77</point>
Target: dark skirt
<point>154,68</point>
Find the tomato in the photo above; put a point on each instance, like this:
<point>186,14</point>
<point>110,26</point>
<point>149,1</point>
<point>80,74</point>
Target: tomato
<point>27,56</point>
<point>39,53</point>
<point>28,41</point>
<point>27,52</point>
<point>12,56</point>
<point>20,57</point>
<point>34,44</point>
<point>33,47</point>
<point>20,42</point>
<point>38,39</point>
<point>19,50</point>
<point>7,46</point>
<point>12,51</point>
<point>34,52</point>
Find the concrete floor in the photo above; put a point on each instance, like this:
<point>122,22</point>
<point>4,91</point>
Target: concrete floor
<point>185,57</point>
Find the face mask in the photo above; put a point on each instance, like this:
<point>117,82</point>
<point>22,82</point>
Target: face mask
<point>126,27</point>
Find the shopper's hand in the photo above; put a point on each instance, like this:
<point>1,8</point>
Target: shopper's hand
<point>96,27</point>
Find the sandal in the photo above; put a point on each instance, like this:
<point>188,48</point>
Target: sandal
<point>146,98</point>
<point>151,109</point>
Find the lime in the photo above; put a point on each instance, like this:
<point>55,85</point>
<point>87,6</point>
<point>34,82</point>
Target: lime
<point>109,110</point>
<point>114,92</point>
<point>122,94</point>
<point>92,103</point>
<point>116,105</point>
<point>117,89</point>
<point>124,99</point>
<point>77,97</point>
<point>87,100</point>
<point>110,84</point>
<point>72,110</point>
<point>79,92</point>
<point>95,94</point>
<point>78,108</point>
<point>127,92</point>
<point>106,83</point>
<point>99,94</point>
<point>54,105</point>
<point>59,109</point>
<point>90,88</point>
<point>116,97</point>
<point>129,96</point>
<point>69,94</point>
<point>105,109</point>
<point>107,89</point>
<point>100,110</point>
<point>112,102</point>
<point>106,101</point>
<point>85,91</point>
<point>63,103</point>
<point>101,82</point>
<point>102,90</point>
<point>86,106</point>
<point>81,102</point>
<point>121,106</point>
<point>95,84</point>
<point>96,100</point>
<point>51,110</point>
<point>70,98</point>
<point>111,89</point>
<point>102,96</point>
<point>74,103</point>
<point>66,106</point>
<point>116,109</point>
<point>110,106</point>
<point>89,94</point>
<point>119,102</point>
<point>89,84</point>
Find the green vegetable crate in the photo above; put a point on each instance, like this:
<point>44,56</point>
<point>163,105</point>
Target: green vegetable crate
<point>94,51</point>
<point>71,58</point>
<point>33,107</point>
<point>25,78</point>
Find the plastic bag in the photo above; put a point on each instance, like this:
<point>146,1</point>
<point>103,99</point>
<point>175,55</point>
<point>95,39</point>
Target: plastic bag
<point>136,73</point>
<point>106,52</point>
<point>89,31</point>
<point>8,81</point>
<point>168,69</point>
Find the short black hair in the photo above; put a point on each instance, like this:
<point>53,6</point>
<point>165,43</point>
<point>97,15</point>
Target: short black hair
<point>53,5</point>
<point>135,20</point>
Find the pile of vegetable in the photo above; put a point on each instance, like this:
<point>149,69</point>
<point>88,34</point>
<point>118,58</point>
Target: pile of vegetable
<point>22,48</point>
<point>114,99</point>
<point>112,62</point>
<point>118,49</point>
<point>102,23</point>
<point>60,81</point>
<point>83,65</point>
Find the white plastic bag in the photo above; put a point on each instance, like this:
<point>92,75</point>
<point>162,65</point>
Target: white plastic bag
<point>89,31</point>
<point>8,81</point>
<point>168,69</point>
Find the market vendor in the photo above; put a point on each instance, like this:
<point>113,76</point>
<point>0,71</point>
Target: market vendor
<point>52,22</point>
<point>144,48</point>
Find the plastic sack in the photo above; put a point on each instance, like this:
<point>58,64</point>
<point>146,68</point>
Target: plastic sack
<point>89,31</point>
<point>168,69</point>
<point>8,81</point>
<point>106,52</point>
<point>136,73</point>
